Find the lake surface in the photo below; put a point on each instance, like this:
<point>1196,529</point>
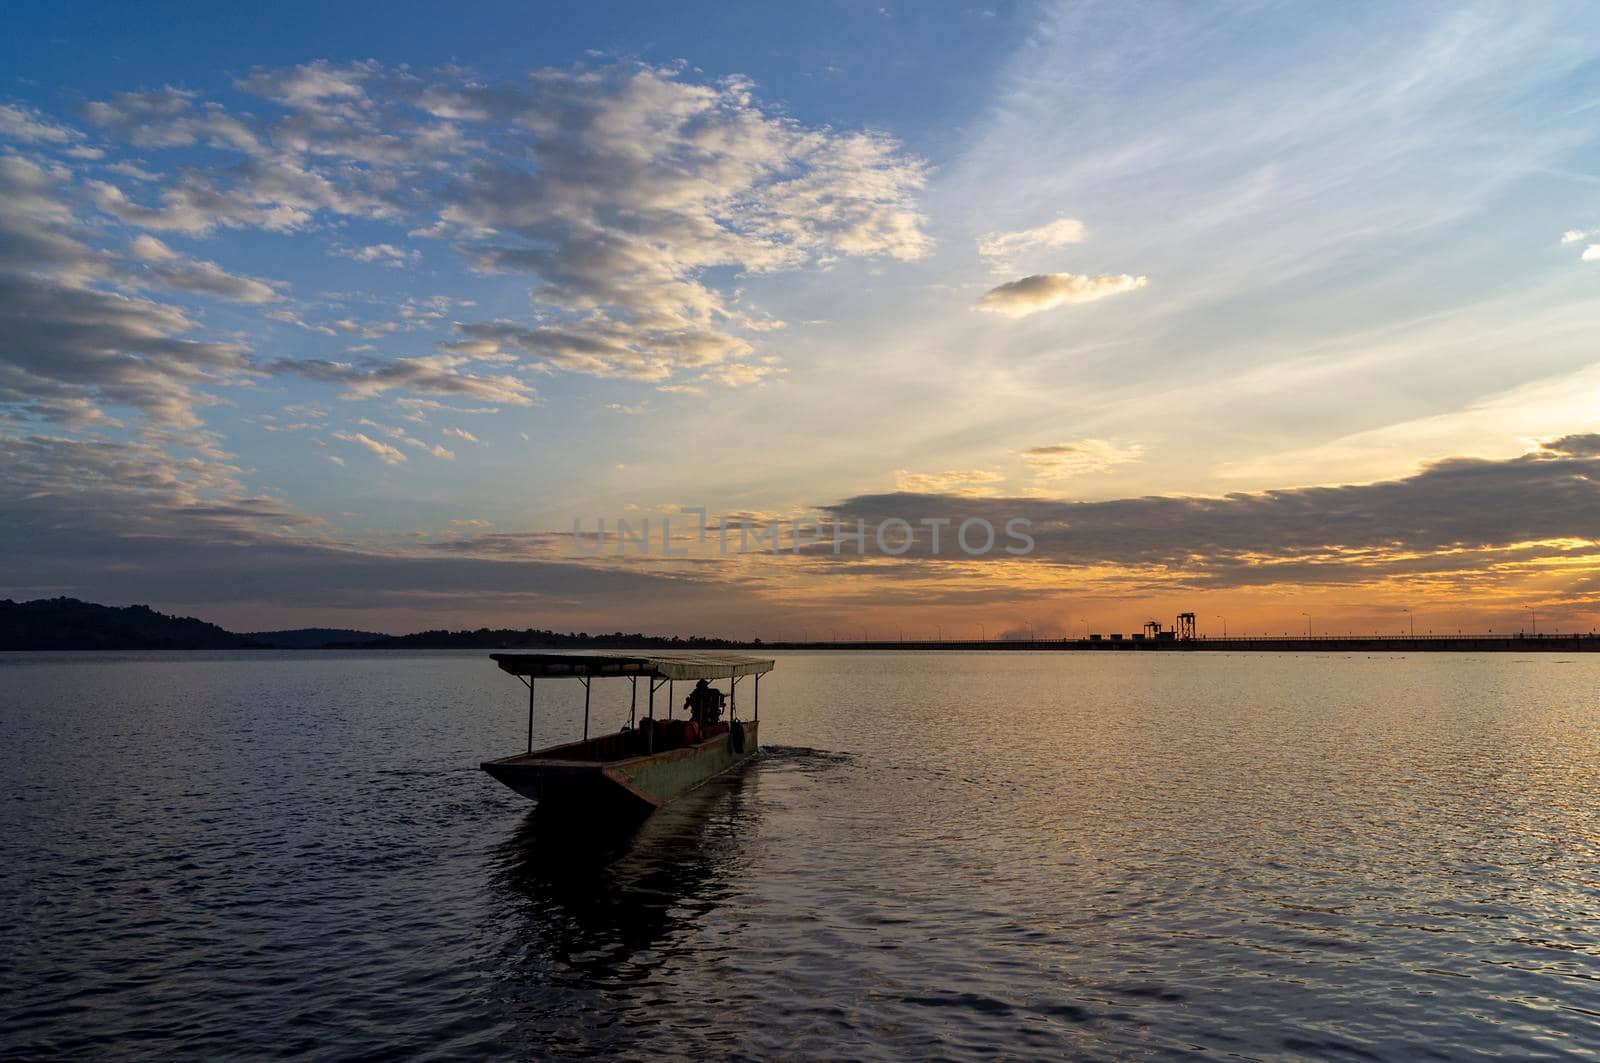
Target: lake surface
<point>957,855</point>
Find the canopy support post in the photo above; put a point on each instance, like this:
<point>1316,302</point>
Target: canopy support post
<point>757,714</point>
<point>650,746</point>
<point>585,681</point>
<point>733,698</point>
<point>633,699</point>
<point>530,713</point>
<point>671,693</point>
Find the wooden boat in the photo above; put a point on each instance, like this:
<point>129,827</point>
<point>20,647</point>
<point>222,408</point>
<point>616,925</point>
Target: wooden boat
<point>650,761</point>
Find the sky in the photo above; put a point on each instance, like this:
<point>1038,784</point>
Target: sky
<point>348,315</point>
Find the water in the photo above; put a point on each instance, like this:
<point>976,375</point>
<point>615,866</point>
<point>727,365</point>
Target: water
<point>945,855</point>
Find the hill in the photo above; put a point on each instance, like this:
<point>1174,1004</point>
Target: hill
<point>68,624</point>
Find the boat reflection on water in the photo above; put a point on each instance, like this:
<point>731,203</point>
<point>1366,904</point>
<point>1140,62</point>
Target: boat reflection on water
<point>600,902</point>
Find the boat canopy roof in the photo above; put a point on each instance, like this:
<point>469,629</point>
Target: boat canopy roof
<point>665,665</point>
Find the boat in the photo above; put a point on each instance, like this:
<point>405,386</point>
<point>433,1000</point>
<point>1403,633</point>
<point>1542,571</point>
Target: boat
<point>651,760</point>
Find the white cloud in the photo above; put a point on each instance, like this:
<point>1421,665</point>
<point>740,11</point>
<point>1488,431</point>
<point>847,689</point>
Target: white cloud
<point>171,118</point>
<point>430,374</point>
<point>1002,249</point>
<point>194,275</point>
<point>28,126</point>
<point>1592,253</point>
<point>383,254</point>
<point>366,330</point>
<point>313,86</point>
<point>602,346</point>
<point>970,482</point>
<point>1046,291</point>
<point>387,453</point>
<point>461,434</point>
<point>133,170</point>
<point>645,184</point>
<point>279,194</point>
<point>742,374</point>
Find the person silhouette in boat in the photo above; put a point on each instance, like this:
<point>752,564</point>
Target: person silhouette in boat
<point>704,703</point>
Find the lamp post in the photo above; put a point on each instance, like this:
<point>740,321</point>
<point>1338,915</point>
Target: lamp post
<point>1224,626</point>
<point>1535,622</point>
<point>983,636</point>
<point>1413,618</point>
<point>1308,624</point>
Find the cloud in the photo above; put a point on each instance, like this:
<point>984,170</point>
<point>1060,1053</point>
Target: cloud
<point>742,374</point>
<point>430,374</point>
<point>1061,460</point>
<point>1003,248</point>
<point>1458,515</point>
<point>367,331</point>
<point>459,433</point>
<point>27,126</point>
<point>122,490</point>
<point>68,347</point>
<point>276,194</point>
<point>1046,291</point>
<point>384,254</point>
<point>193,275</point>
<point>388,454</point>
<point>650,190</point>
<point>318,85</point>
<point>646,183</point>
<point>951,481</point>
<point>38,233</point>
<point>1584,445</point>
<point>1592,253</point>
<point>133,170</point>
<point>600,346</point>
<point>123,522</point>
<point>651,194</point>
<point>171,118</point>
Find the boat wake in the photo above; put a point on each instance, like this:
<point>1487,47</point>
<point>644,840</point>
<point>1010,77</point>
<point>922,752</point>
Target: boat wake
<point>801,758</point>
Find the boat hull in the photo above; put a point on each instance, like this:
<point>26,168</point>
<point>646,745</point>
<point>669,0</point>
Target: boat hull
<point>636,784</point>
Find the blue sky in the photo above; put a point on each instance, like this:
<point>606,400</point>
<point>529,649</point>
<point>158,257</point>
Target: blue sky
<point>913,68</point>
<point>395,293</point>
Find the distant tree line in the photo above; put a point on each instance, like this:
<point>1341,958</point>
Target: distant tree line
<point>70,624</point>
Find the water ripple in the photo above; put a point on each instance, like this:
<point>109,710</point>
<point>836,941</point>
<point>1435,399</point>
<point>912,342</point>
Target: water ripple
<point>948,856</point>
